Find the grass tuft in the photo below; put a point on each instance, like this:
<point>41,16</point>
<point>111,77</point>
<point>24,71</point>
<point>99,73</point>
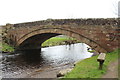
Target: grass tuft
<point>7,48</point>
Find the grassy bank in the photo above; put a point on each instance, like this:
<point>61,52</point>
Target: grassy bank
<point>6,47</point>
<point>56,41</point>
<point>88,68</point>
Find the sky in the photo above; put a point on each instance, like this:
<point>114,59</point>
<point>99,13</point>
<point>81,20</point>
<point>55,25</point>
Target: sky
<point>19,11</point>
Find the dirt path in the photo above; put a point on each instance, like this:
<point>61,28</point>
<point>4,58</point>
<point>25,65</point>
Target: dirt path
<point>112,71</point>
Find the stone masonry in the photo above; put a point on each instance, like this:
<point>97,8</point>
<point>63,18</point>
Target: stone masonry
<point>100,34</point>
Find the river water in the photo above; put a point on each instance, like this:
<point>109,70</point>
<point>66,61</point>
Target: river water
<point>45,64</point>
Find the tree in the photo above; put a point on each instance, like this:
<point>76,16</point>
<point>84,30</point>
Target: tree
<point>116,7</point>
<point>119,9</point>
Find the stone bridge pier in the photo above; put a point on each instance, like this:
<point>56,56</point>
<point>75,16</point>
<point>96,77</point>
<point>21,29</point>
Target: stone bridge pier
<point>100,34</point>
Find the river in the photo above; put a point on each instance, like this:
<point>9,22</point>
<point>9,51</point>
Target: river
<point>45,64</point>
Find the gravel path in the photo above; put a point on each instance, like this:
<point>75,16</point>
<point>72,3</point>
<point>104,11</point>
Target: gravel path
<point>112,71</point>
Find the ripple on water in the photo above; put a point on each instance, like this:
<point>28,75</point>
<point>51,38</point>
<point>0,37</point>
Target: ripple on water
<point>51,58</point>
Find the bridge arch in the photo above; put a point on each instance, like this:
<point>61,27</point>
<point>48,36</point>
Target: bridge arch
<point>51,32</point>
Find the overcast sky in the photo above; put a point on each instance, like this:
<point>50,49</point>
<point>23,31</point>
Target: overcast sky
<point>18,11</point>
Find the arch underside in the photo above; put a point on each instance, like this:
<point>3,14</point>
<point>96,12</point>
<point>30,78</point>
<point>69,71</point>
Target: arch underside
<point>34,39</point>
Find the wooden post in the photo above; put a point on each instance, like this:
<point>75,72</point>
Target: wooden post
<point>101,59</point>
<point>100,64</point>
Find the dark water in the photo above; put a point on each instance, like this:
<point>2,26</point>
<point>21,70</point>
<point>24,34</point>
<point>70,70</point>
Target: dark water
<point>39,65</point>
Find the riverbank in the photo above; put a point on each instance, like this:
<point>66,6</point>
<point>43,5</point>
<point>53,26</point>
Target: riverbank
<point>6,47</point>
<point>45,64</point>
<point>55,41</point>
<point>88,68</point>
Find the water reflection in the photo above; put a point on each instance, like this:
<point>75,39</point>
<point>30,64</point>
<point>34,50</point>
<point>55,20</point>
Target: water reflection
<point>55,56</point>
<point>32,57</point>
<point>60,55</point>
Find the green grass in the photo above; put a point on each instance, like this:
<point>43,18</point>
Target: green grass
<point>55,41</point>
<point>91,51</point>
<point>6,47</point>
<point>88,68</point>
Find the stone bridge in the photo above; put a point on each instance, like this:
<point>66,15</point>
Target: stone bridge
<point>100,34</point>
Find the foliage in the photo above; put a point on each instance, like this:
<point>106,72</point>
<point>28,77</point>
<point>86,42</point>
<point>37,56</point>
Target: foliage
<point>7,48</point>
<point>91,51</point>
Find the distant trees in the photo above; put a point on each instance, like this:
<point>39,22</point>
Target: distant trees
<point>116,8</point>
<point>119,9</point>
